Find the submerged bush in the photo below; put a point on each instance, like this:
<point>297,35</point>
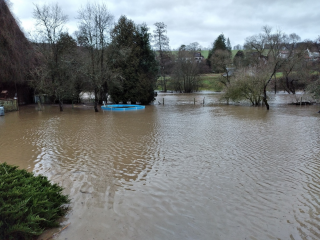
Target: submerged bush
<point>28,204</point>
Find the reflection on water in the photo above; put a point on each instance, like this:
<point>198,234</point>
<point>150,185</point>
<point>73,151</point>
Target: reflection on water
<point>178,171</point>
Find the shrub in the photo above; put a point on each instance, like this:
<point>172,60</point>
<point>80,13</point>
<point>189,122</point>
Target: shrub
<point>28,204</point>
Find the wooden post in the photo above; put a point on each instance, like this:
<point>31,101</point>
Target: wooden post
<point>300,101</point>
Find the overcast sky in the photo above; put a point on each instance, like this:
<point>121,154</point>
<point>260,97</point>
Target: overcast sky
<point>198,20</point>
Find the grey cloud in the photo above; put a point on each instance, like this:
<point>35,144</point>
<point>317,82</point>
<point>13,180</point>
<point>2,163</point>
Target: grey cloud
<point>201,20</point>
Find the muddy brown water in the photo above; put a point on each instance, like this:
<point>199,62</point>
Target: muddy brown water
<point>178,171</point>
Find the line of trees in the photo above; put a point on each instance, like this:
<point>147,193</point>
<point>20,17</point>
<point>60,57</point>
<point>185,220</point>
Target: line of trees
<point>254,70</point>
<point>269,60</point>
<point>103,58</point>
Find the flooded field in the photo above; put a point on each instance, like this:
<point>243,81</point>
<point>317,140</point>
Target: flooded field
<point>178,170</point>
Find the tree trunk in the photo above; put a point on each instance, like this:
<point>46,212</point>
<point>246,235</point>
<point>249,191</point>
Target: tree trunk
<point>96,100</point>
<point>96,106</point>
<point>60,106</point>
<point>264,99</point>
<point>275,84</point>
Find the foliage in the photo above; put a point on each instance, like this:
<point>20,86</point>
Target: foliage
<point>220,60</point>
<point>134,63</point>
<point>219,44</point>
<point>314,88</point>
<point>28,204</point>
<point>148,67</point>
<point>265,52</point>
<point>247,84</point>
<point>124,41</point>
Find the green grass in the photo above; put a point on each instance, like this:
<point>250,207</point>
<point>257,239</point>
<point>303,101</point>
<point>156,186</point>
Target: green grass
<point>279,74</point>
<point>209,82</point>
<point>205,53</point>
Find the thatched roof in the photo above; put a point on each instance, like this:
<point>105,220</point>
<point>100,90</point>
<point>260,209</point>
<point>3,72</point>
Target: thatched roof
<point>16,52</point>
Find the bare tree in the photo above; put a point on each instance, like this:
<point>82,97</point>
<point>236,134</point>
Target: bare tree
<point>161,44</point>
<point>50,21</point>
<point>265,50</point>
<point>295,70</point>
<point>185,76</point>
<point>247,84</point>
<point>95,22</point>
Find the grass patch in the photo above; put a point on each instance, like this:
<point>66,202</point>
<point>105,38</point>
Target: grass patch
<point>210,82</point>
<point>205,53</point>
<point>28,204</point>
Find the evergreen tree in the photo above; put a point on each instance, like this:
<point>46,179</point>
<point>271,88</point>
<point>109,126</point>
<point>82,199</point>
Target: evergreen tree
<point>134,63</point>
<point>148,67</point>
<point>219,44</point>
<point>126,63</point>
<point>229,45</point>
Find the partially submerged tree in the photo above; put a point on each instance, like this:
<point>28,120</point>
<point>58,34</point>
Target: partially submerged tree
<point>134,63</point>
<point>148,67</point>
<point>125,65</point>
<point>50,21</point>
<point>295,70</point>
<point>95,24</point>
<point>264,50</point>
<point>314,88</point>
<point>247,84</point>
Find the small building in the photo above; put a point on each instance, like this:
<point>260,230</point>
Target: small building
<point>312,56</point>
<point>198,57</point>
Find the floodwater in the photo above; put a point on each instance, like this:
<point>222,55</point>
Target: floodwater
<point>178,170</point>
